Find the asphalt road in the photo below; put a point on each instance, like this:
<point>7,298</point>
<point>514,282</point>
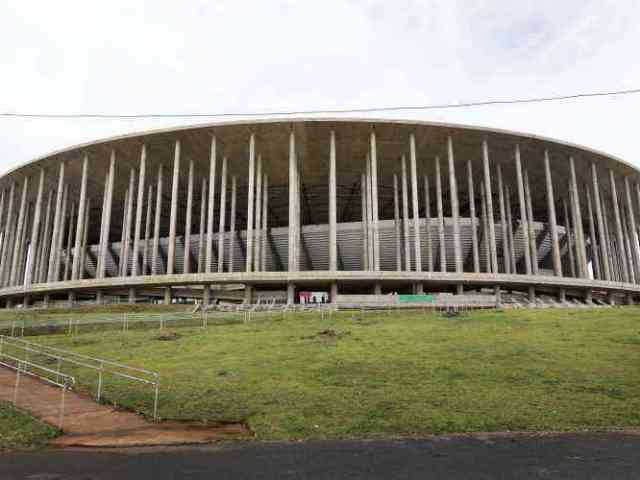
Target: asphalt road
<point>583,456</point>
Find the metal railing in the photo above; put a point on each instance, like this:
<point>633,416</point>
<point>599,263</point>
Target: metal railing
<point>23,366</point>
<point>71,324</point>
<point>102,367</point>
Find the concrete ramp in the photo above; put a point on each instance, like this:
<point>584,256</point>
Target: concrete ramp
<point>90,424</point>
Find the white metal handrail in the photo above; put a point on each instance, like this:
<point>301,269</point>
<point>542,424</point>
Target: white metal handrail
<point>61,319</point>
<point>69,381</point>
<point>95,364</point>
<point>68,353</point>
<point>20,367</point>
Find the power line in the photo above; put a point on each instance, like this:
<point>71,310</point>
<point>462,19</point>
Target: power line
<point>326,111</point>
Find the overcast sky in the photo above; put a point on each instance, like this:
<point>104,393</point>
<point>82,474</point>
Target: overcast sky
<point>124,57</point>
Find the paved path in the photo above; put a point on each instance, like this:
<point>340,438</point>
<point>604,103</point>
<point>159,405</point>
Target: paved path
<point>584,456</point>
<point>87,423</point>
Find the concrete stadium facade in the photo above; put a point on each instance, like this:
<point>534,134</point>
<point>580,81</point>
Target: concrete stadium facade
<point>355,206</point>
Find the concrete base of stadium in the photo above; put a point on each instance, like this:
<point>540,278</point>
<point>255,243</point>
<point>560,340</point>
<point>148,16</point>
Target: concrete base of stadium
<point>198,286</point>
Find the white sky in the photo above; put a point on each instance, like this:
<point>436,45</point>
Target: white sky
<point>237,56</point>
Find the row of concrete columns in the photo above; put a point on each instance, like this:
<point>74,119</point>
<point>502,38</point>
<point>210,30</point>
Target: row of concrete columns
<point>33,233</point>
<point>581,248</point>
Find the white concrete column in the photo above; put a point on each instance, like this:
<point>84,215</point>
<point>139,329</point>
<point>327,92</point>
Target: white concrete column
<point>604,247</point>
<point>333,239</point>
<point>56,222</point>
<point>524,224</point>
<point>579,229</point>
<point>232,225</point>
<point>364,222</point>
<point>370,254</point>
<point>627,248</point>
<point>22,246</point>
<point>45,243</point>
<point>532,234</point>
<point>631,222</point>
<point>414,203</point>
<point>67,257</point>
<point>472,213</point>
<point>186,261</point>
<point>427,221</point>
<point>374,203</point>
<point>455,210</point>
<point>138,227</point>
<point>203,226</point>
<point>298,226</point>
<point>7,235</point>
<point>503,223</point>
<point>592,235</point>
<point>37,250</point>
<point>637,230</point>
<point>441,239</point>
<point>123,231</point>
<point>212,193</point>
<point>333,294</point>
<point>147,233</point>
<point>171,251</point>
<point>490,217</point>
<point>126,247</point>
<point>11,236</point>
<point>405,215</point>
<point>36,242</point>
<point>619,236</point>
<point>568,229</point>
<point>156,226</point>
<point>258,215</point>
<point>35,229</point>
<point>609,242</point>
<point>512,243</point>
<point>223,212</point>
<point>106,214</point>
<point>16,247</point>
<point>294,216</point>
<point>2,216</point>
<point>58,263</point>
<point>99,259</point>
<point>485,229</point>
<point>85,237</point>
<point>616,273</point>
<point>553,224</point>
<point>4,229</point>
<point>82,206</point>
<point>291,294</point>
<point>396,223</point>
<point>293,180</point>
<point>265,210</point>
<point>251,199</point>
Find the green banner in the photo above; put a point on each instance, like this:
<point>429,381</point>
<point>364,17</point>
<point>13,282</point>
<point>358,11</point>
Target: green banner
<point>416,298</point>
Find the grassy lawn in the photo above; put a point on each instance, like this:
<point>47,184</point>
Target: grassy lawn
<point>19,430</point>
<point>397,374</point>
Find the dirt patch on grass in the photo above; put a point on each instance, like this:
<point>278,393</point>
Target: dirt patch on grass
<point>167,336</point>
<point>326,335</point>
<point>165,433</point>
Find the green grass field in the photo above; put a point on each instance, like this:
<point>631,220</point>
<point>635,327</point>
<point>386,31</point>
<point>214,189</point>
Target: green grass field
<point>19,430</point>
<point>387,375</point>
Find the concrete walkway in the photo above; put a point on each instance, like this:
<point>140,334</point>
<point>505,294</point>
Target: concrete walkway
<point>89,424</point>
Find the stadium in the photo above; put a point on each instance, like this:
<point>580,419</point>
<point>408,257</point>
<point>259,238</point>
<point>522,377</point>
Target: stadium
<point>357,209</point>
